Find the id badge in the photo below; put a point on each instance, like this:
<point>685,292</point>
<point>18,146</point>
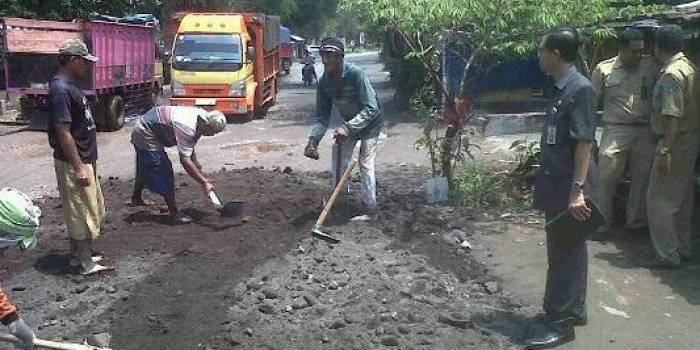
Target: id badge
<point>551,134</point>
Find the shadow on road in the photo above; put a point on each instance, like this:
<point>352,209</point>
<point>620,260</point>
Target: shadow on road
<point>634,252</point>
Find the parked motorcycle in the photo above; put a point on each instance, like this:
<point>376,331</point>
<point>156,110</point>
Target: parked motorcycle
<point>308,73</point>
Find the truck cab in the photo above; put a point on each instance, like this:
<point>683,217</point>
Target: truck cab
<point>215,63</point>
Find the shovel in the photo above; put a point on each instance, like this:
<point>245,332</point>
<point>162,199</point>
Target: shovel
<point>38,343</point>
<point>230,209</point>
<point>316,231</point>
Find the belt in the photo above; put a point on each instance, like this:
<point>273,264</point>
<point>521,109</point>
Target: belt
<point>626,124</point>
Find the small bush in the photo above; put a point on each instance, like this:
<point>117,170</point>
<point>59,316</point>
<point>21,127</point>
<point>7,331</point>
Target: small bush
<point>477,185</point>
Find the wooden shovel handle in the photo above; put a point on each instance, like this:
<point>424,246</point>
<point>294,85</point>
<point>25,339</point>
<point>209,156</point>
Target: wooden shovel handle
<point>329,205</point>
<point>38,343</point>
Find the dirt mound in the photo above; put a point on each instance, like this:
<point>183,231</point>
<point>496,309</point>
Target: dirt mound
<point>260,282</point>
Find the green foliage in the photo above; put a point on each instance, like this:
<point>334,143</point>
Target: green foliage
<point>477,185</point>
<point>525,150</point>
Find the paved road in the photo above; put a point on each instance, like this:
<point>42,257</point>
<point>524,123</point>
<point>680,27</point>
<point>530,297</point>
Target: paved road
<point>278,140</point>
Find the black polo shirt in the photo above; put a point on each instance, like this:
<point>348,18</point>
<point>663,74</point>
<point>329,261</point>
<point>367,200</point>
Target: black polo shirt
<point>570,117</point>
<point>67,104</point>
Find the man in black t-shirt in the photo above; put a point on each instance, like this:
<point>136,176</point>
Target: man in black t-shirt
<point>72,136</point>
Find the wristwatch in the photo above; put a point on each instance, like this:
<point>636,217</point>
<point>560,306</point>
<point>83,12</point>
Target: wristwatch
<point>577,185</point>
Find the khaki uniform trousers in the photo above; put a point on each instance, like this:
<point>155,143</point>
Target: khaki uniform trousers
<point>625,146</point>
<point>83,206</point>
<point>670,200</point>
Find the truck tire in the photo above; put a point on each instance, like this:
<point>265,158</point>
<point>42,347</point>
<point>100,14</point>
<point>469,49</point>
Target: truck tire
<point>114,113</point>
<point>97,108</point>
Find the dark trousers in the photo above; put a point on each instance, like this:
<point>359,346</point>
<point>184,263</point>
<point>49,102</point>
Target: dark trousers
<point>567,274</point>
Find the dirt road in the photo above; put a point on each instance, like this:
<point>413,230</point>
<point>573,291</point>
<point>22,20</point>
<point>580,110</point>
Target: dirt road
<point>406,281</point>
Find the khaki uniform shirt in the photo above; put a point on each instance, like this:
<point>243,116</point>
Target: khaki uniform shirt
<point>625,94</point>
<point>674,96</point>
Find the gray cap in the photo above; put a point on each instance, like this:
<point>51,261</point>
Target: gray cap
<point>76,47</point>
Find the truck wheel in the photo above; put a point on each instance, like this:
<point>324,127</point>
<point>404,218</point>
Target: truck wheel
<point>114,116</point>
<point>97,107</point>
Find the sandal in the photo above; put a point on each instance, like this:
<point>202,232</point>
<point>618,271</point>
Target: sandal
<point>97,268</point>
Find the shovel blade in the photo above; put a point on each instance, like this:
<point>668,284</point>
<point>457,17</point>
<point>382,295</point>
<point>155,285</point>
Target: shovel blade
<point>318,234</point>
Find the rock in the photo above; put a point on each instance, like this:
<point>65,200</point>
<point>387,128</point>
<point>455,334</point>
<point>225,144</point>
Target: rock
<point>111,290</point>
<point>390,341</point>
<point>77,279</point>
<point>248,332</point>
<point>288,309</point>
<point>267,309</point>
<point>287,170</point>
<point>60,298</point>
<point>270,294</point>
<point>348,319</point>
<point>455,320</point>
<point>337,324</point>
<point>404,330</point>
<point>261,297</point>
<point>310,299</point>
<point>19,289</point>
<point>81,289</point>
<point>324,339</point>
<point>406,294</point>
<point>466,245</point>
<point>230,340</point>
<point>300,304</point>
<point>254,285</point>
<point>492,287</point>
<point>100,340</point>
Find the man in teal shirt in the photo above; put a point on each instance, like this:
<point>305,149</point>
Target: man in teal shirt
<point>348,88</point>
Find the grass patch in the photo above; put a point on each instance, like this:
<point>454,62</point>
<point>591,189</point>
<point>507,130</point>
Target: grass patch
<point>480,186</point>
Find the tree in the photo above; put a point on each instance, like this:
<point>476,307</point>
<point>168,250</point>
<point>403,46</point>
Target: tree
<point>494,31</point>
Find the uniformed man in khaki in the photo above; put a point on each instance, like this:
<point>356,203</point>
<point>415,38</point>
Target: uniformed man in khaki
<point>675,125</point>
<point>624,85</point>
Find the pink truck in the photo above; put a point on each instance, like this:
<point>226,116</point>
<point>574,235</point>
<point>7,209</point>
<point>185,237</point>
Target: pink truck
<point>123,80</point>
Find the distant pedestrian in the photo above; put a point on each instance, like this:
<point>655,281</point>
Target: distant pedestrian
<point>561,185</point>
<point>72,136</point>
<point>675,123</point>
<point>348,88</point>
<point>624,84</point>
<point>170,126</point>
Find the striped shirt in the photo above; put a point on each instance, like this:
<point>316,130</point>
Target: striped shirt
<point>168,126</point>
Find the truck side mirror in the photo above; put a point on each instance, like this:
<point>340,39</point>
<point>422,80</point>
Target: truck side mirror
<point>251,53</point>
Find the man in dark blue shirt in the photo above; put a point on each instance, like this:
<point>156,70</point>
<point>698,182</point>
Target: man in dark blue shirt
<point>561,185</point>
<point>72,136</point>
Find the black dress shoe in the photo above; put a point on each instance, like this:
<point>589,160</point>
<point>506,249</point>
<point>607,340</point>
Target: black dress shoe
<point>661,263</point>
<point>553,336</point>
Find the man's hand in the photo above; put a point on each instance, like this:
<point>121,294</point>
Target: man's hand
<point>311,151</point>
<point>207,187</point>
<point>665,163</point>
<point>577,205</point>
<point>341,134</point>
<point>22,331</point>
<point>81,175</point>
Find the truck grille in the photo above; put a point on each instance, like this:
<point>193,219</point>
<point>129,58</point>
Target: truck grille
<point>207,90</point>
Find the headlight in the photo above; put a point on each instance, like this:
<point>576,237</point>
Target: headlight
<point>237,89</point>
<point>177,88</point>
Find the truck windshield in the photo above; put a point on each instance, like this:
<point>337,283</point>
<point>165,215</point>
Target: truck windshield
<point>207,52</point>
